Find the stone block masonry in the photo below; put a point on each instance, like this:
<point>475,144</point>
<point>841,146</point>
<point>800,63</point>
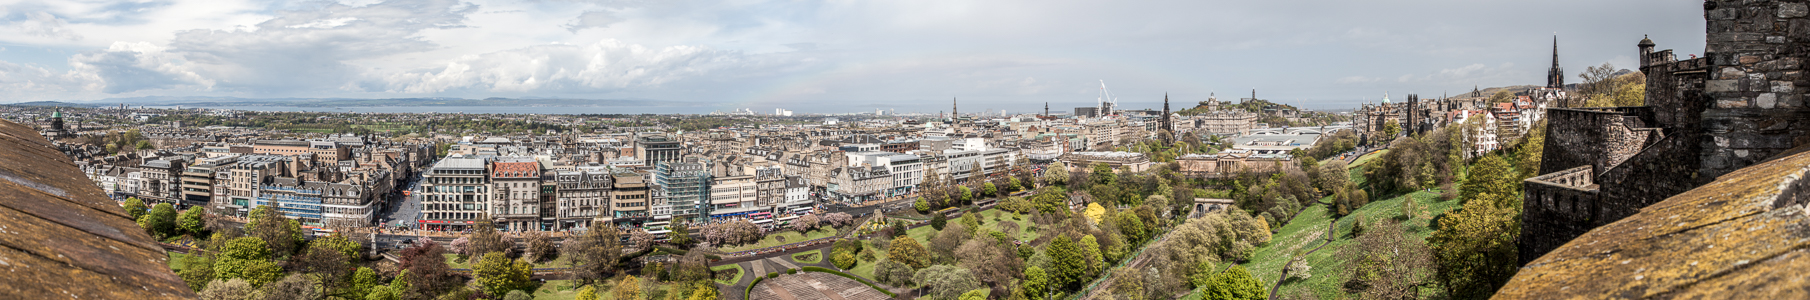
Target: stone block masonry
<point>1736,106</point>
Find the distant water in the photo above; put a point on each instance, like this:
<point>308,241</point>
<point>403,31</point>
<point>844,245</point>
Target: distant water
<point>477,109</point>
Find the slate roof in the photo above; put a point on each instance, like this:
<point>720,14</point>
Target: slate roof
<point>64,239</point>
<point>1744,236</point>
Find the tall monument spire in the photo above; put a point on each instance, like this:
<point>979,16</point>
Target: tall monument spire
<point>1046,108</point>
<point>1166,121</point>
<point>1555,77</point>
<point>953,109</point>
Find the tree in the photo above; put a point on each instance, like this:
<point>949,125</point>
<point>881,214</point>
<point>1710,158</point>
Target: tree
<point>947,282</point>
<point>991,261</point>
<point>382,292</point>
<point>838,219</point>
<point>1474,249</point>
<point>942,247</point>
<point>906,250</point>
<point>1391,129</point>
<point>1235,283</point>
<point>540,247</point>
<point>347,248</point>
<point>921,205</point>
<point>363,281</point>
<point>640,240</point>
<point>135,208</point>
<point>1090,251</point>
<point>627,289</point>
<point>1068,263</point>
<point>192,221</point>
<point>295,286</point>
<point>680,235</point>
<point>978,294</point>
<point>1057,174</point>
<point>1493,176</point>
<point>704,290</point>
<point>485,239</point>
<point>937,221</point>
<point>595,254</point>
<point>805,223</point>
<point>496,274</point>
<point>281,234</point>
<point>588,292</point>
<point>894,273</point>
<point>518,295</point>
<point>1103,175</point>
<point>260,272</point>
<point>235,289</point>
<point>197,271</point>
<point>988,190</point>
<point>1035,284</point>
<point>425,273</point>
<point>329,266</point>
<point>1094,211</point>
<point>1385,263</point>
<point>161,222</point>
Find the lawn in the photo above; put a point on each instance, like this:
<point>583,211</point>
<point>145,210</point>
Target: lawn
<point>808,257</point>
<point>176,260</point>
<point>1024,234</point>
<point>865,269</point>
<point>738,273</point>
<point>561,290</point>
<point>1307,231</point>
<point>790,237</point>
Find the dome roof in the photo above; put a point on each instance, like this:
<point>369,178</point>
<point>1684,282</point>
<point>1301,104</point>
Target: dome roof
<point>1645,42</point>
<point>1385,98</point>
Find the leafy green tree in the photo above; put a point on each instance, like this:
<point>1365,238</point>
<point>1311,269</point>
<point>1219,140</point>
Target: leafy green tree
<point>1090,251</point>
<point>588,292</point>
<point>381,293</point>
<point>1235,284</point>
<point>1391,129</point>
<point>496,274</point>
<point>197,271</point>
<point>628,289</point>
<point>1492,175</point>
<point>347,247</point>
<point>193,221</point>
<point>517,295</point>
<point>681,234</point>
<point>988,190</point>
<point>281,234</point>
<point>1103,175</point>
<point>1057,174</point>
<point>162,220</point>
<point>1067,263</point>
<point>921,205</point>
<point>947,282</point>
<point>401,283</point>
<point>248,248</point>
<point>363,281</point>
<point>937,221</point>
<point>977,294</point>
<point>260,272</point>
<point>595,254</point>
<point>1035,284</point>
<point>704,290</point>
<point>1474,250</point>
<point>235,289</point>
<point>906,250</point>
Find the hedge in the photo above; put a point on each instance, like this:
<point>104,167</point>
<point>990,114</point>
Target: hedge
<point>772,274</point>
<point>846,275</point>
<point>750,292</point>
<point>791,271</point>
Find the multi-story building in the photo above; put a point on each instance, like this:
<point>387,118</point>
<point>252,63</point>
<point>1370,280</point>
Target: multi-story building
<point>325,149</point>
<point>629,200</point>
<point>686,184</point>
<point>583,195</point>
<point>457,193</point>
<point>515,193</point>
<point>735,195</point>
<point>656,149</point>
<point>245,181</point>
<point>769,186</point>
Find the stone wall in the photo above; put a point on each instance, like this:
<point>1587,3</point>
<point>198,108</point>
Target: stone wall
<point>1558,206</point>
<point>1757,50</point>
<point>1601,138</point>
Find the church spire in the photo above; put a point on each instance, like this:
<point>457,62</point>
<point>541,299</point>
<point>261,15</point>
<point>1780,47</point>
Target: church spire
<point>1555,77</point>
<point>953,109</point>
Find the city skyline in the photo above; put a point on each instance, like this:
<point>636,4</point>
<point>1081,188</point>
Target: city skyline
<point>801,55</point>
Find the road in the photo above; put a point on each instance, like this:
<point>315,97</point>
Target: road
<point>404,213</point>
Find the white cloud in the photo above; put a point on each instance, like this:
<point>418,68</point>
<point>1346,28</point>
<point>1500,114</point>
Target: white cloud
<point>592,19</point>
<point>126,67</point>
<point>44,24</point>
<point>601,66</point>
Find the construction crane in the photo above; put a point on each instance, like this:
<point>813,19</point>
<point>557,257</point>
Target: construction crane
<point>1107,101</point>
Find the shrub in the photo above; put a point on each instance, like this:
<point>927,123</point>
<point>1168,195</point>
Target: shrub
<point>791,271</point>
<point>772,274</point>
<point>846,275</point>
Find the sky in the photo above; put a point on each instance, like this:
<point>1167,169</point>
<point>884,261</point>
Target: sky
<point>820,56</point>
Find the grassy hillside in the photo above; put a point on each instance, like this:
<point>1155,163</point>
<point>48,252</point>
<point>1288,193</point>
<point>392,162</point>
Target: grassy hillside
<point>1309,230</point>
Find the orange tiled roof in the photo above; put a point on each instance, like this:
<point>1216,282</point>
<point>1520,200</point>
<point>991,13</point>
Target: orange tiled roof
<point>515,170</point>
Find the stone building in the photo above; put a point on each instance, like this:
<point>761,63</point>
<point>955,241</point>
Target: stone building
<point>516,191</point>
<point>583,194</point>
<point>1735,106</point>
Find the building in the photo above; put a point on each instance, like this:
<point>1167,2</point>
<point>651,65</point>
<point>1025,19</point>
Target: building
<point>457,193</point>
<point>1119,161</point>
<point>656,149</point>
<point>630,200</point>
<point>583,195</point>
<point>329,150</point>
<point>515,194</point>
<point>686,186</point>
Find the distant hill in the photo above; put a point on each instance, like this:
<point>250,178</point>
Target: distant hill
<point>54,103</point>
<point>356,102</point>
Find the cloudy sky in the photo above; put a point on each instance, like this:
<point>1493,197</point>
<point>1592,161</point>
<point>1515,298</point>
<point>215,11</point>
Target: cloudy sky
<point>817,56</point>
